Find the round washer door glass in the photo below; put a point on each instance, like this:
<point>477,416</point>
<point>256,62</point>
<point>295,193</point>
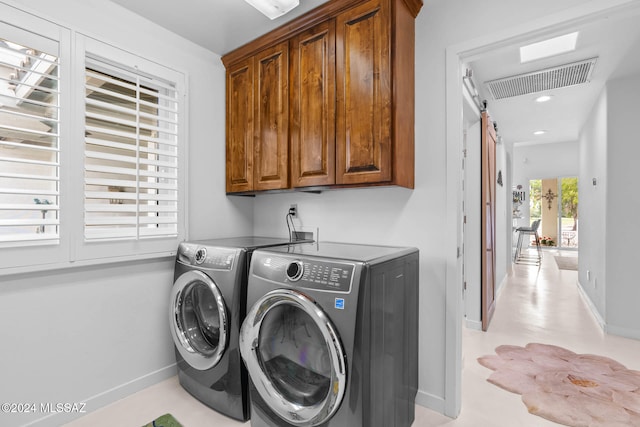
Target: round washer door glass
<point>198,320</point>
<point>295,357</point>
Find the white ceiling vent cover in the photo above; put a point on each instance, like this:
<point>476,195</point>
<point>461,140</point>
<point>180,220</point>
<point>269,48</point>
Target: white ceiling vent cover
<point>537,81</point>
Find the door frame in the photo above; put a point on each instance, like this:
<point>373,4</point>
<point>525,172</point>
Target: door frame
<point>456,55</point>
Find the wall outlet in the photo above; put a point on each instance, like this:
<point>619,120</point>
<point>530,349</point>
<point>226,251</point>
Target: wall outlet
<point>293,210</point>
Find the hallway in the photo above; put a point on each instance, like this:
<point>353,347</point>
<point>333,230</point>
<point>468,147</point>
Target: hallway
<point>541,305</point>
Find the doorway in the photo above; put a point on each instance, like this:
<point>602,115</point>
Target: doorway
<point>456,56</point>
<point>554,201</point>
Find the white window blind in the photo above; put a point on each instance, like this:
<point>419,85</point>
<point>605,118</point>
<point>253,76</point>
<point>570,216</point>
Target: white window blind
<point>131,154</point>
<point>29,144</point>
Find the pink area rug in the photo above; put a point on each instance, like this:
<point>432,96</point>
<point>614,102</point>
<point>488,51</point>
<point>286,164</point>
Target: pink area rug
<point>579,390</point>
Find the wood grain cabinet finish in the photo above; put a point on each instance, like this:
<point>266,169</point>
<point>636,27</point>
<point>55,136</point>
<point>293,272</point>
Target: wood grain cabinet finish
<point>363,73</point>
<point>271,122</point>
<point>312,125</point>
<point>345,106</point>
<point>239,128</point>
<point>257,122</point>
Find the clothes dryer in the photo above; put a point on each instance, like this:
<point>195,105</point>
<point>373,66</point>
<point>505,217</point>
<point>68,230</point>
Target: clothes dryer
<point>331,335</point>
<point>208,304</point>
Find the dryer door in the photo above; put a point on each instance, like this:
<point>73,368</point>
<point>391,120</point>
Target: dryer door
<point>294,356</point>
<point>198,318</point>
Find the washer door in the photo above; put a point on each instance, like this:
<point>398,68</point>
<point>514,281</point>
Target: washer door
<point>294,357</point>
<point>198,319</point>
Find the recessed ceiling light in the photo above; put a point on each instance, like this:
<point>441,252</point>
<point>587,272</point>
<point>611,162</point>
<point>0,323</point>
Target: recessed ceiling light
<point>550,47</point>
<point>273,9</point>
<point>540,132</point>
<point>544,98</point>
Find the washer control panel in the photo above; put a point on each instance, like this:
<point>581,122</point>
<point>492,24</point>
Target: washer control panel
<point>321,275</point>
<point>206,257</point>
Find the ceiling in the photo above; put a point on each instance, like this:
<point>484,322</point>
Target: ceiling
<point>218,25</point>
<point>613,40</point>
<point>223,25</point>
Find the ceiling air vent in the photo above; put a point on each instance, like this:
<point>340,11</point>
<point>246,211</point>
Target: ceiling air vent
<point>537,81</point>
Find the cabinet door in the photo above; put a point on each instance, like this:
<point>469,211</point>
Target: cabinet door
<point>240,110</point>
<point>363,81</point>
<point>271,137</point>
<point>312,129</point>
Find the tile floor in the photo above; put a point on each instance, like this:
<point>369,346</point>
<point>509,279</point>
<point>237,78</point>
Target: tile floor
<point>536,304</point>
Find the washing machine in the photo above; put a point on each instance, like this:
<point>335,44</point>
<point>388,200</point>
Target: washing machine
<point>331,335</point>
<point>207,306</point>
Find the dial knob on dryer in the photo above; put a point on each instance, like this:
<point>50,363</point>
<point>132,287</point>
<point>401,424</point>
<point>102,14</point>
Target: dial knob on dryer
<point>201,255</point>
<point>295,270</point>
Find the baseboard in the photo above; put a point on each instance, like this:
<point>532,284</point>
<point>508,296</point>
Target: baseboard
<point>607,328</point>
<point>592,307</point>
<point>623,332</point>
<point>473,324</point>
<point>501,286</point>
<point>477,324</point>
<point>429,401</point>
<point>109,396</point>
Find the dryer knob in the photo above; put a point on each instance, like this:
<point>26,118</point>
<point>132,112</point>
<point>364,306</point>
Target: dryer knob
<point>295,270</point>
<point>201,255</point>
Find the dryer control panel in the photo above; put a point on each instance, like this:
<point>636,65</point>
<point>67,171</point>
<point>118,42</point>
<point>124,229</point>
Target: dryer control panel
<point>324,275</point>
<point>313,274</point>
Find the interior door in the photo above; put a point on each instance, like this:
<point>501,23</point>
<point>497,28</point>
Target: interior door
<point>488,219</point>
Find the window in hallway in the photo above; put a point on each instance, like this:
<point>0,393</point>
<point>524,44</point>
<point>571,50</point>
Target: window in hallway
<point>555,202</point>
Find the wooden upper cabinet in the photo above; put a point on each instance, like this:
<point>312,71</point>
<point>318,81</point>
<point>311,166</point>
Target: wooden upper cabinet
<point>363,74</point>
<point>271,121</point>
<point>240,111</point>
<point>258,121</point>
<point>325,100</point>
<point>312,124</point>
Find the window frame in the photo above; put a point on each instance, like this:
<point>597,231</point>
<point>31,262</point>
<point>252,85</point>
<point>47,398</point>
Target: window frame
<point>33,162</point>
<point>71,249</point>
<point>20,256</point>
<point>98,50</point>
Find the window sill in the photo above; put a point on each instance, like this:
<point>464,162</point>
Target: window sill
<point>72,265</point>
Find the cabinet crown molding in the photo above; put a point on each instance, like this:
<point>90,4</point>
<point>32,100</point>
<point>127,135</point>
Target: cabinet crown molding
<point>310,19</point>
<point>414,6</point>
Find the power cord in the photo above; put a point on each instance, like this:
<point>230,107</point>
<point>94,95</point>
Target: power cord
<point>291,227</point>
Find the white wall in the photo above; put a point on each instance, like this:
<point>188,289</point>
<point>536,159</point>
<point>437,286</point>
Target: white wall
<point>609,229</point>
<point>622,207</point>
<point>592,206</point>
<point>97,334</point>
<point>503,216</point>
<point>472,237</point>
